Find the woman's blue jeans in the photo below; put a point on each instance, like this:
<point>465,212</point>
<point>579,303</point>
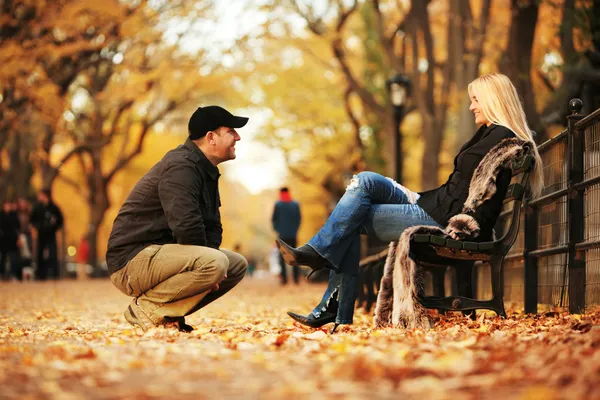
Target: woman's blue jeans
<point>372,205</point>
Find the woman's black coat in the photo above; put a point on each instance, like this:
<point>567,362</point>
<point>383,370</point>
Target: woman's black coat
<point>447,201</point>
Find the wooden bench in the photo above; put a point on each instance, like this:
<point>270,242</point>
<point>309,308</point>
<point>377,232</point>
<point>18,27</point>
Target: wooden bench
<point>436,253</point>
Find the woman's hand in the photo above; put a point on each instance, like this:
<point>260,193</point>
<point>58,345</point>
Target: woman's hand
<point>461,227</point>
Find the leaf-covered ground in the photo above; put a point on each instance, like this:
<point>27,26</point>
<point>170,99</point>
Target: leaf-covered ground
<point>69,340</point>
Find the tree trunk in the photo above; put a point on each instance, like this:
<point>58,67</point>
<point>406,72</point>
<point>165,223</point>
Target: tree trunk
<point>466,60</point>
<point>433,113</point>
<point>98,209</point>
<point>433,144</point>
<point>516,63</point>
<point>98,203</point>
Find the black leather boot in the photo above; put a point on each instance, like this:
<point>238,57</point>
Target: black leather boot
<point>327,316</point>
<point>303,255</point>
<point>311,320</point>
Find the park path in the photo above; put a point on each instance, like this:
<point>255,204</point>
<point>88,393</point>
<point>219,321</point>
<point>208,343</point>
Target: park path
<point>68,340</point>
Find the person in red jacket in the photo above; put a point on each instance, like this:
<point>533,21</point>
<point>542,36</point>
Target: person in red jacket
<point>286,222</point>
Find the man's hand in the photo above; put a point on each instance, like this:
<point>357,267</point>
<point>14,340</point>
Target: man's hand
<point>216,286</point>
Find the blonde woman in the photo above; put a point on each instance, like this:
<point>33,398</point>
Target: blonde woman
<point>378,206</point>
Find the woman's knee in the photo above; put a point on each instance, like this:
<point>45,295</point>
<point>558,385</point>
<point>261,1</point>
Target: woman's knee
<point>363,180</point>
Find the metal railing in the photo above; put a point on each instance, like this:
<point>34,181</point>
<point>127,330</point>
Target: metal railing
<point>556,258</point>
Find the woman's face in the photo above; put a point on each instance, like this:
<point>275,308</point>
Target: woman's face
<point>479,117</point>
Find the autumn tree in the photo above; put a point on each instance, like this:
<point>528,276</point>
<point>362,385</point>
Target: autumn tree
<point>114,105</point>
<point>579,68</point>
<point>45,46</point>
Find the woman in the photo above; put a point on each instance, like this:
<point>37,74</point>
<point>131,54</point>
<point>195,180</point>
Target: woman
<point>378,206</point>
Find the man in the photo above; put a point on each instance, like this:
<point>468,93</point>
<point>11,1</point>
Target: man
<point>286,221</point>
<point>47,220</point>
<point>164,246</point>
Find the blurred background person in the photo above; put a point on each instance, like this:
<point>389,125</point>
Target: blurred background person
<point>25,242</point>
<point>83,253</point>
<point>46,220</point>
<point>286,222</point>
<point>9,237</point>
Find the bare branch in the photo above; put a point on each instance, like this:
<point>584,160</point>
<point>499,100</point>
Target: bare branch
<point>56,169</point>
<point>123,161</point>
<point>480,33</point>
<point>388,42</point>
<point>544,78</point>
<point>566,36</point>
<point>344,15</point>
<point>77,187</point>
<point>317,26</point>
<point>113,128</point>
<point>353,119</point>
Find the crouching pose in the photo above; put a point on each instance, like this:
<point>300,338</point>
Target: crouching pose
<point>380,207</point>
<point>164,246</point>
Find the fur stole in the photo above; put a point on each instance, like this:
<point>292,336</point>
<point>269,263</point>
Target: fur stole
<point>397,300</point>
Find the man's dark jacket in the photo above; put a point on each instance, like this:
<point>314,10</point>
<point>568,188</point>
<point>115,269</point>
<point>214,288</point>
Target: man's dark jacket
<point>447,201</point>
<point>177,201</point>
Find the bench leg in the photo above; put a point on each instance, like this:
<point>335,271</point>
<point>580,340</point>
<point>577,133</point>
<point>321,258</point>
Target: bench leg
<point>498,285</point>
<point>437,276</point>
<point>464,285</point>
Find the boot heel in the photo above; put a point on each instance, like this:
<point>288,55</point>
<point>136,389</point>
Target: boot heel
<point>311,272</point>
<point>334,328</point>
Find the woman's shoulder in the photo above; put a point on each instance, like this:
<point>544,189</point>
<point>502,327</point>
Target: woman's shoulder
<point>501,132</point>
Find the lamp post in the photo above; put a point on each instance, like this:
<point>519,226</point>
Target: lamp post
<point>398,88</point>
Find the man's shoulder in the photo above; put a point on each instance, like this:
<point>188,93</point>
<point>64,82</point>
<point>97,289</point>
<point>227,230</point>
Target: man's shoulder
<point>181,155</point>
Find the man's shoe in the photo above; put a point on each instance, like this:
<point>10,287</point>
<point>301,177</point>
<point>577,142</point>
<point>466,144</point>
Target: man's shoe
<point>136,316</point>
<point>179,323</point>
<point>303,255</point>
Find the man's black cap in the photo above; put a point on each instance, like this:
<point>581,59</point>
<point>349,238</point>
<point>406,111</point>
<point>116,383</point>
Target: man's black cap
<point>209,118</point>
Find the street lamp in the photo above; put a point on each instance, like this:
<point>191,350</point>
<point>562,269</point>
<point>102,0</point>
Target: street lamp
<point>398,88</point>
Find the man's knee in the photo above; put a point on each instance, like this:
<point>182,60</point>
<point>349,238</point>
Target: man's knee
<point>239,264</point>
<point>214,269</point>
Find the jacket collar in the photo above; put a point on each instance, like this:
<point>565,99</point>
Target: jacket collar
<point>482,132</point>
<point>199,158</point>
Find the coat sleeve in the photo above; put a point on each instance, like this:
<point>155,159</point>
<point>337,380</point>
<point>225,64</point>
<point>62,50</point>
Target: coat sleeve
<point>214,232</point>
<point>179,191</point>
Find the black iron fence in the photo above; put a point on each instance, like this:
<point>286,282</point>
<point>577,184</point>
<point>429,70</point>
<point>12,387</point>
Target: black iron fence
<point>556,257</point>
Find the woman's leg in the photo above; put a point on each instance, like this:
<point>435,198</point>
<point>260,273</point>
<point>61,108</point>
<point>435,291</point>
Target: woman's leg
<point>346,220</point>
<point>385,222</point>
<point>343,285</point>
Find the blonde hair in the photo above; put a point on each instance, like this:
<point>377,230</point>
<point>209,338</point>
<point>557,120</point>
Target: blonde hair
<point>499,103</point>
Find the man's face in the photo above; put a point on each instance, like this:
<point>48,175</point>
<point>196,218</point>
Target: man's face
<point>224,143</point>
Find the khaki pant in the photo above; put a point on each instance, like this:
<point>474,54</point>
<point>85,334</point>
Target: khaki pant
<point>174,280</point>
